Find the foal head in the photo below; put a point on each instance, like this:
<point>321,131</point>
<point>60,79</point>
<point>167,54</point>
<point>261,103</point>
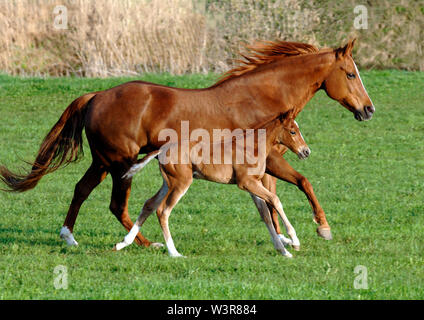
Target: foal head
<point>290,136</point>
<point>344,84</point>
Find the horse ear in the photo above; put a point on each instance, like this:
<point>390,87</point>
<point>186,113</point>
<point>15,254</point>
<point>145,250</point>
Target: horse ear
<point>346,50</point>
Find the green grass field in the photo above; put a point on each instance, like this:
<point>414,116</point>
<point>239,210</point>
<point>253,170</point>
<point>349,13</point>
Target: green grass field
<point>368,176</point>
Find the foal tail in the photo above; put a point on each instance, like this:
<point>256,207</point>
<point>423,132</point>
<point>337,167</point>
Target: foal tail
<point>61,146</point>
<point>140,164</point>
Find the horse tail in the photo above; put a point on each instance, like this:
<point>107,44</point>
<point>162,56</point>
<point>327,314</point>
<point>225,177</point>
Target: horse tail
<point>61,146</point>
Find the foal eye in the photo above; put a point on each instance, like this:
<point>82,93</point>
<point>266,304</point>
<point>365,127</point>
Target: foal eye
<point>293,132</point>
<point>351,76</point>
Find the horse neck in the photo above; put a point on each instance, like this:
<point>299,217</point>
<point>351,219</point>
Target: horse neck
<point>277,87</point>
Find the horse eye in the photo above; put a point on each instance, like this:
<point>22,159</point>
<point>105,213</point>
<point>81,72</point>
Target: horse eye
<point>293,132</point>
<point>351,76</point>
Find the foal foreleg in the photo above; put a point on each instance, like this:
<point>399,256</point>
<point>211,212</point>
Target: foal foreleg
<point>277,166</point>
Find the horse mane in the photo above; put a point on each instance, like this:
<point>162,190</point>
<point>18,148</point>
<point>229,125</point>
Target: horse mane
<point>264,52</point>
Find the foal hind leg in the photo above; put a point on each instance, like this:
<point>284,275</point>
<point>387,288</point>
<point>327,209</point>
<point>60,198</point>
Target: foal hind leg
<point>177,189</point>
<point>149,206</point>
<point>256,187</point>
<point>276,240</point>
<point>270,183</point>
<point>119,204</point>
<point>91,179</point>
<point>264,211</point>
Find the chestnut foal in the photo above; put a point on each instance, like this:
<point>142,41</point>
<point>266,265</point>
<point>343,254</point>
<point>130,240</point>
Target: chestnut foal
<point>247,175</point>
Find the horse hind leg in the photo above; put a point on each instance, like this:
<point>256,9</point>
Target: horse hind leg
<point>91,179</point>
<point>119,205</point>
<point>149,206</point>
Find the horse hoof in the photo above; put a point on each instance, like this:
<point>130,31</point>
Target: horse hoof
<point>157,245</point>
<point>325,233</point>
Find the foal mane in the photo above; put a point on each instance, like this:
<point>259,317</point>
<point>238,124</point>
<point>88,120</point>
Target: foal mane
<point>264,52</point>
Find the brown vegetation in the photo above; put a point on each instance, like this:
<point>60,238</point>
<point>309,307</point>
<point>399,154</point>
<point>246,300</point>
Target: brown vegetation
<point>109,37</point>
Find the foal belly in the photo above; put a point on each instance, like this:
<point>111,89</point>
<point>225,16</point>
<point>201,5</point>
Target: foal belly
<point>220,173</point>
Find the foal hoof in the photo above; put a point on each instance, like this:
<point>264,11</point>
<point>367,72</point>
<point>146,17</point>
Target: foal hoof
<point>287,254</point>
<point>119,246</point>
<point>325,233</point>
<point>296,247</point>
<point>157,245</point>
<point>285,241</point>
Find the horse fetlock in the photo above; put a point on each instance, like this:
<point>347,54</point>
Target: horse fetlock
<point>67,235</point>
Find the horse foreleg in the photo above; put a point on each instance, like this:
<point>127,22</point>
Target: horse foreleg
<point>277,166</point>
<point>91,179</point>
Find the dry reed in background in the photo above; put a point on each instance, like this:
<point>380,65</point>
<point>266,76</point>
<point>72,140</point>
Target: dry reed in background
<point>128,37</point>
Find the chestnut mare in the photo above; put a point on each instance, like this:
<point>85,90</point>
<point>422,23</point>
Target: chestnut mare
<point>125,121</point>
<point>177,177</point>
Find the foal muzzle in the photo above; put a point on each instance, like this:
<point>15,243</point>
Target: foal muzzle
<point>304,153</point>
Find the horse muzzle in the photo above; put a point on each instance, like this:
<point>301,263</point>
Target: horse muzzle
<point>365,114</point>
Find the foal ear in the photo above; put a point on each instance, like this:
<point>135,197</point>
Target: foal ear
<point>346,50</point>
<point>286,116</point>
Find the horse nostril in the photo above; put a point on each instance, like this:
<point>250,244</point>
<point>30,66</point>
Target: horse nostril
<point>369,109</point>
<point>307,152</point>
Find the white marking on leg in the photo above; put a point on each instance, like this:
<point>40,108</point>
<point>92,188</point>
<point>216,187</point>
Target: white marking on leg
<point>266,216</point>
<point>171,248</point>
<point>129,238</point>
<point>67,235</point>
<point>286,241</point>
<point>289,228</point>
